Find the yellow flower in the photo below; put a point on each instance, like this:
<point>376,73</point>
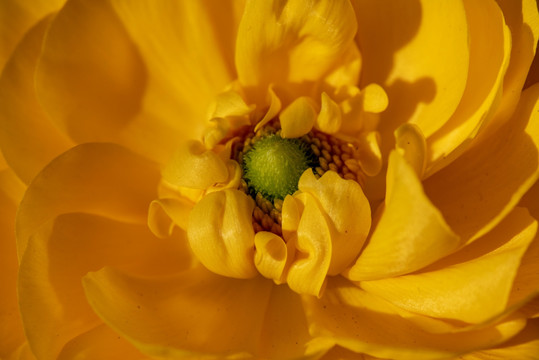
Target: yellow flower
<point>269,179</point>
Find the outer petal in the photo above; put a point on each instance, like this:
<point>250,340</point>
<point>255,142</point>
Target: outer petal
<point>198,314</point>
<point>277,42</point>
<point>100,343</point>
<point>400,43</point>
<point>16,17</point>
<point>102,179</point>
<point>29,140</point>
<point>347,211</point>
<point>221,234</point>
<point>61,252</point>
<point>473,290</point>
<point>188,49</point>
<point>11,331</point>
<point>490,50</point>
<point>485,183</point>
<point>365,323</point>
<point>411,232</point>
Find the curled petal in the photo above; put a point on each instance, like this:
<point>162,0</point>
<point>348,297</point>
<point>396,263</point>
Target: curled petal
<point>347,211</point>
<point>221,234</point>
<point>195,167</point>
<point>165,214</point>
<point>272,255</point>
<point>330,117</point>
<point>412,146</point>
<point>298,118</point>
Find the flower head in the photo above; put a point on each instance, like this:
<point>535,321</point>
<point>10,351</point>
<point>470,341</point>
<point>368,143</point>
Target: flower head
<point>270,179</point>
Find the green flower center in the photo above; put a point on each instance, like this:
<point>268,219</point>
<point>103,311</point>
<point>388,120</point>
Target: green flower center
<point>273,165</point>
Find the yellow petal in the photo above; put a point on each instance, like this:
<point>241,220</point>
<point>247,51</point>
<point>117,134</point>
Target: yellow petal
<point>330,118</point>
<point>490,49</point>
<point>187,48</point>
<point>277,43</point>
<point>273,108</point>
<point>307,273</point>
<point>221,234</point>
<point>90,78</point>
<point>61,252</point>
<point>525,345</point>
<point>28,138</point>
<point>165,214</point>
<point>476,191</point>
<point>363,323</point>
<point>195,167</point>
<point>411,144</point>
<point>411,232</point>
<point>17,17</point>
<point>101,343</point>
<point>102,179</point>
<point>474,290</point>
<point>298,118</point>
<point>424,81</point>
<point>347,211</point>
<point>200,314</point>
<point>11,330</point>
<point>523,21</point>
<point>272,255</point>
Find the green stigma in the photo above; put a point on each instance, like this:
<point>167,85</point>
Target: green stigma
<point>274,165</point>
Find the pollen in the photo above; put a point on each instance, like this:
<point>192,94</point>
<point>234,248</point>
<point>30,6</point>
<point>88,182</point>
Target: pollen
<point>272,166</point>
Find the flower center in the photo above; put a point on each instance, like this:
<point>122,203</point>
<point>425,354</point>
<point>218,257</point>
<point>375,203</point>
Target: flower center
<point>273,165</point>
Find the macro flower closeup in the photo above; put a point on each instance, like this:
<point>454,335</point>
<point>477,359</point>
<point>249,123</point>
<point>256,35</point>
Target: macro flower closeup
<point>269,179</point>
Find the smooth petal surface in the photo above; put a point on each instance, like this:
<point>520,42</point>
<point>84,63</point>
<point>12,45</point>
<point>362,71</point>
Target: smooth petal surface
<point>400,44</point>
<point>91,178</point>
<point>364,323</point>
<point>64,250</point>
<point>29,140</point>
<point>472,290</point>
<point>11,331</point>
<point>165,214</point>
<point>100,343</point>
<point>186,69</point>
<point>209,316</point>
<point>221,234</point>
<point>347,211</point>
<point>411,232</point>
<point>17,17</point>
<point>298,118</point>
<point>485,183</point>
<point>277,42</point>
<point>490,50</point>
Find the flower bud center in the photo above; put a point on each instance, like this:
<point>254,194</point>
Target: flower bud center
<point>274,165</point>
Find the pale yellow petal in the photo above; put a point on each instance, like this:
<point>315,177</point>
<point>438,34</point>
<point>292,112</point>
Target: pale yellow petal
<point>272,255</point>
<point>298,118</point>
<point>474,290</point>
<point>476,191</point>
<point>330,117</point>
<point>411,232</point>
<point>347,212</point>
<point>221,234</point>
<point>166,214</point>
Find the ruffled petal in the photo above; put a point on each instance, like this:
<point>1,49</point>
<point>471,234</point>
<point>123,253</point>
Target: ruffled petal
<point>365,323</point>
<point>347,212</point>
<point>221,234</point>
<point>490,50</point>
<point>201,315</point>
<point>272,255</point>
<point>277,42</point>
<point>411,232</point>
<point>165,214</point>
<point>29,140</point>
<point>103,179</point>
<point>61,252</point>
<point>472,290</point>
<point>17,17</point>
<point>486,182</point>
<point>188,49</point>
<point>400,45</point>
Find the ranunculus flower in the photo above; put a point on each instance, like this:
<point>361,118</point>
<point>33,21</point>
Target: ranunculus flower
<point>292,179</point>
